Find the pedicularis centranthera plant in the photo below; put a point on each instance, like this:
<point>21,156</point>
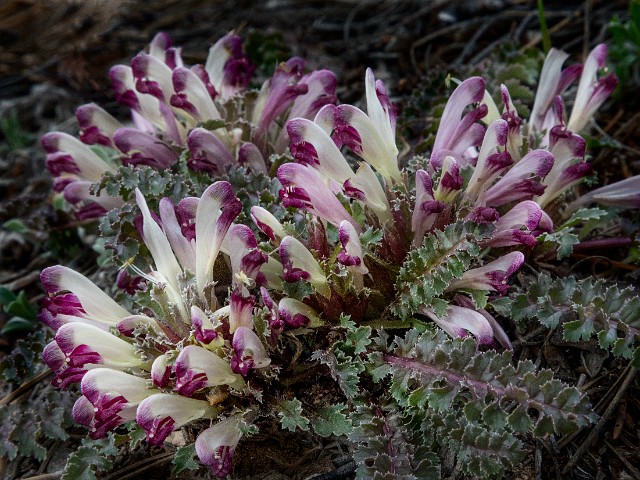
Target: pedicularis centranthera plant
<point>259,230</point>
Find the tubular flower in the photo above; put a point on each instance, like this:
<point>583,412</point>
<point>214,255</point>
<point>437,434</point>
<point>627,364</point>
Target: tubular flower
<point>192,95</point>
<point>248,352</point>
<point>227,66</point>
<point>289,94</point>
<point>197,368</point>
<point>208,152</point>
<point>276,95</point>
<point>215,446</point>
<point>55,310</point>
<point>297,314</point>
<point>276,324</point>
<point>311,145</point>
<point>300,264</point>
<point>622,194</point>
<point>569,168</point>
<point>351,254</point>
<point>240,310</point>
<point>182,245</point>
<point>161,371</point>
<point>267,223</point>
<point>217,209</point>
<point>83,302</point>
<point>110,398</point>
<point>450,181</point>
<point>427,208</point>
<point>491,160</point>
<point>149,113</point>
<point>514,123</point>
<point>520,226</point>
<point>162,413</point>
<point>76,169</point>
<point>152,76</point>
<point>141,148</point>
<point>56,360</point>
<point>321,88</point>
<point>371,136</point>
<point>460,320</point>
<point>492,277</point>
<point>82,343</point>
<point>79,347</point>
<point>167,266</point>
<point>498,332</point>
<point>553,81</point>
<point>457,133</point>
<point>246,259</point>
<point>303,188</point>
<point>592,91</point>
<point>96,125</point>
<point>205,327</point>
<point>522,181</point>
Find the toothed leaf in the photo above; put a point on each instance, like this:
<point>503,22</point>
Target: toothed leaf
<point>331,421</point>
<point>291,417</point>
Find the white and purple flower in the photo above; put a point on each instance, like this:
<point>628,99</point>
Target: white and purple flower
<point>300,264</point>
<point>248,352</point>
<point>492,276</point>
<point>109,399</point>
<point>162,413</point>
<point>215,446</point>
<point>197,368</point>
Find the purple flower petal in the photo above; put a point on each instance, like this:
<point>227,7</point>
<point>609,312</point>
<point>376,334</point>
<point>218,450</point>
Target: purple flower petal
<point>192,95</point>
<point>522,181</point>
<point>152,76</point>
<point>98,306</point>
<point>297,314</point>
<point>96,125</point>
<point>161,371</point>
<point>216,210</point>
<point>162,413</point>
<point>208,153</point>
<point>453,127</point>
<point>114,396</point>
<point>248,352</point>
<point>266,222</point>
<point>460,320</point>
<point>197,367</point>
<point>592,91</point>
<point>622,194</point>
<point>492,276</point>
<point>241,312</point>
<point>228,67</point>
<point>304,188</point>
<point>215,446</point>
<point>144,149</point>
<point>299,263</point>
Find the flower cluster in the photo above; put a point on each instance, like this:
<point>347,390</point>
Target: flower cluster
<point>214,298</point>
<point>164,369</point>
<point>207,110</point>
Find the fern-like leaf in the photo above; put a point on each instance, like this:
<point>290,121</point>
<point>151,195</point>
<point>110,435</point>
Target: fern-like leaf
<point>481,451</point>
<point>584,308</point>
<point>385,446</point>
<point>475,403</point>
<point>445,368</point>
<point>428,270</point>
